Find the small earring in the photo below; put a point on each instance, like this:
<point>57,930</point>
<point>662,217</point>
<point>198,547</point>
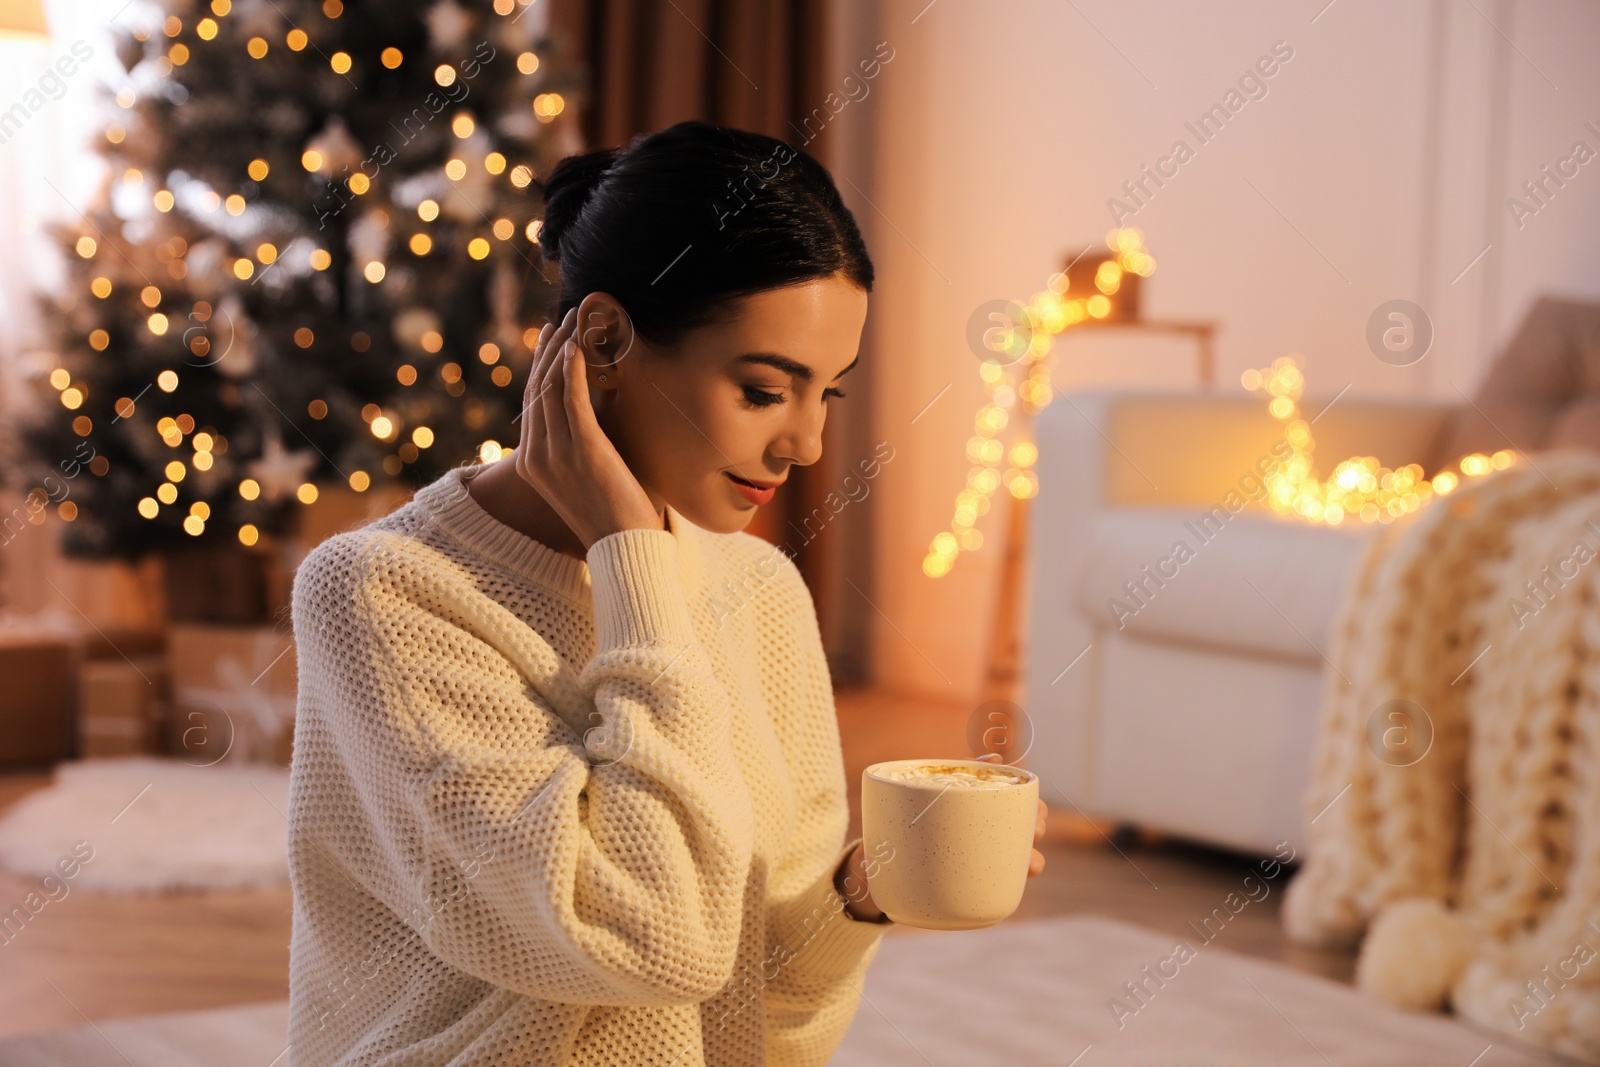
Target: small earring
<point>602,377</point>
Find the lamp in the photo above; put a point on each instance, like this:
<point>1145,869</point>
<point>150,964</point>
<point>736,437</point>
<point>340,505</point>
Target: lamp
<point>23,19</point>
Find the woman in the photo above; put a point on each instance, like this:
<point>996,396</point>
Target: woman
<point>554,800</point>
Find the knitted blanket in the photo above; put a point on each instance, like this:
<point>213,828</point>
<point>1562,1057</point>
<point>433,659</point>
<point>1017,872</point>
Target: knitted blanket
<point>1455,802</point>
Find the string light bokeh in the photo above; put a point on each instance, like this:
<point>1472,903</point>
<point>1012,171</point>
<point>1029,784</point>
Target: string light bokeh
<point>1359,488</point>
<point>1017,376</point>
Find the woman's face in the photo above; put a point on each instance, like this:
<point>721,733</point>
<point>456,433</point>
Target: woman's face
<point>745,398</point>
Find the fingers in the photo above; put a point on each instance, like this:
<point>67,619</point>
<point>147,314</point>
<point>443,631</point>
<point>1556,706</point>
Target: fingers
<point>534,437</point>
<point>553,398</point>
<point>529,434</point>
<point>557,368</point>
<point>576,394</point>
<point>538,359</point>
<point>541,358</point>
<point>1036,860</point>
<point>549,356</point>
<point>550,369</point>
<point>535,423</point>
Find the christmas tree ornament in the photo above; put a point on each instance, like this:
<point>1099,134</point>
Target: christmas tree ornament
<point>232,336</point>
<point>369,237</point>
<point>413,326</point>
<point>204,267</point>
<point>278,471</point>
<point>448,25</point>
<point>256,18</point>
<point>332,152</point>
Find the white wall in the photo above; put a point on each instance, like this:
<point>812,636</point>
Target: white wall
<point>50,172</point>
<point>1376,167</point>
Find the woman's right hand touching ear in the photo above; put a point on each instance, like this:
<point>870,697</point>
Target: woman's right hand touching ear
<point>565,455</point>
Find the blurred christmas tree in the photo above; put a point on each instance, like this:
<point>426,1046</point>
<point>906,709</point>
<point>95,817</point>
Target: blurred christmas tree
<point>313,259</point>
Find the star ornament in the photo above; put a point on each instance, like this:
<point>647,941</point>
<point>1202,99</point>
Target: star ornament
<point>448,25</point>
<point>336,146</point>
<point>279,471</point>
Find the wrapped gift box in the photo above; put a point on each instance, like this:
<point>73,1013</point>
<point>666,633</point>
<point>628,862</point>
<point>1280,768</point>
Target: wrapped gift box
<point>339,508</point>
<point>122,706</point>
<point>223,584</point>
<point>38,700</point>
<point>233,693</point>
<point>73,688</point>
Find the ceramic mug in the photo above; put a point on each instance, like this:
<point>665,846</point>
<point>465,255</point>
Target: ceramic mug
<point>961,835</point>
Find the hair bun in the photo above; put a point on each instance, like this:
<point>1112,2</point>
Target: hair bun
<point>566,190</point>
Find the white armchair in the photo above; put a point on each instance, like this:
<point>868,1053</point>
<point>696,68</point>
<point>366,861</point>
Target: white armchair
<point>1191,708</point>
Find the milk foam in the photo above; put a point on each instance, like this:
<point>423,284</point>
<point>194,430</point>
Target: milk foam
<point>954,775</point>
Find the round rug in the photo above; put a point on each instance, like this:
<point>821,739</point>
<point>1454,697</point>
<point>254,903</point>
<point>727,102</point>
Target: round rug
<point>145,824</point>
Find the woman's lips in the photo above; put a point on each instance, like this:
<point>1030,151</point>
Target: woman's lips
<point>750,492</point>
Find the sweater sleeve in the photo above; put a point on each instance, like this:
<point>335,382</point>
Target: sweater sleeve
<point>821,952</point>
<point>582,839</point>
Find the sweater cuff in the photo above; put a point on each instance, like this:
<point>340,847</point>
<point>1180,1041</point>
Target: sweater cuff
<point>825,940</point>
<point>638,591</point>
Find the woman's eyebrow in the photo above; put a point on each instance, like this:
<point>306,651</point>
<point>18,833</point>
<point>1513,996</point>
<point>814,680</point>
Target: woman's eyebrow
<point>790,366</point>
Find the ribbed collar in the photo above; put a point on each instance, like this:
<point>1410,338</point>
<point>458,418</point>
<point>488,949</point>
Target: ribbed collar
<point>447,499</point>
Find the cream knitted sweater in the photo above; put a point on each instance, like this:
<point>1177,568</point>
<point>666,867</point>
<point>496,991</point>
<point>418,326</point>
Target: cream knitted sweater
<point>549,811</point>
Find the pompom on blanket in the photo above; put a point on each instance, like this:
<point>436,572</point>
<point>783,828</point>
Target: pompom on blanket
<point>1456,782</point>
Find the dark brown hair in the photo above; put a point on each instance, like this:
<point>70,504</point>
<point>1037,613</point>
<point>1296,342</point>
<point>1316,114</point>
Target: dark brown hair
<point>682,221</point>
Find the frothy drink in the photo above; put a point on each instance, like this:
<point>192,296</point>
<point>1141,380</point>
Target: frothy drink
<point>955,774</point>
<point>961,832</point>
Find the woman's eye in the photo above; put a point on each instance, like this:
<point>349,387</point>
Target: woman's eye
<point>760,398</point>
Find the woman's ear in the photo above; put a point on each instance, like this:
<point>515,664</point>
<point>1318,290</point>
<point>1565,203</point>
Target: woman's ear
<point>605,334</point>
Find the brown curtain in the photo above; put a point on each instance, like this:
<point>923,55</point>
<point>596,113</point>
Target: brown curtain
<point>754,64</point>
<point>759,65</point>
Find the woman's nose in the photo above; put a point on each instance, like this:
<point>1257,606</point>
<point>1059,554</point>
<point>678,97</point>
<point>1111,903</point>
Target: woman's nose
<point>803,446</point>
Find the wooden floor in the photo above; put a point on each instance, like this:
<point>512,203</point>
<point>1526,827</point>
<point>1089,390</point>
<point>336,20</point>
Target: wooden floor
<point>93,957</point>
